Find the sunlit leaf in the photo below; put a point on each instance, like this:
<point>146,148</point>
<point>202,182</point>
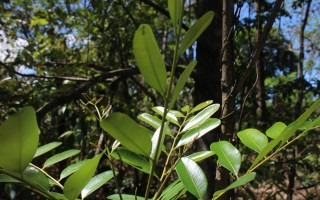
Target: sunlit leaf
<point>201,117</point>
<point>228,156</point>
<point>19,140</point>
<point>192,177</point>
<point>201,155</point>
<point>96,182</point>
<point>46,148</point>
<point>197,132</point>
<point>239,182</point>
<point>60,156</point>
<point>170,116</point>
<point>275,130</point>
<point>149,59</point>
<point>195,31</point>
<point>156,139</point>
<point>253,139</point>
<point>130,134</point>
<point>151,120</point>
<point>201,106</point>
<point>77,181</point>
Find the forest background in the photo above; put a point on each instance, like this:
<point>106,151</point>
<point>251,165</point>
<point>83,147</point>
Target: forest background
<point>57,54</point>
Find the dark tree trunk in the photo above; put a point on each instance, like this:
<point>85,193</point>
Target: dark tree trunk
<point>207,78</point>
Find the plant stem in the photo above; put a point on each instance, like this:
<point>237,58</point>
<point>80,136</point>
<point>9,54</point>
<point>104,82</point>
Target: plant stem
<point>47,175</point>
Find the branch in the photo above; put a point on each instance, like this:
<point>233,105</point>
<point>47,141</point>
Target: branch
<point>259,46</point>
<point>83,87</point>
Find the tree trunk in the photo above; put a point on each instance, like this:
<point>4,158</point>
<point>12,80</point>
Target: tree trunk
<point>207,78</point>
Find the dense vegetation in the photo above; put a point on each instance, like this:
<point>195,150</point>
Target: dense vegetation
<point>120,89</point>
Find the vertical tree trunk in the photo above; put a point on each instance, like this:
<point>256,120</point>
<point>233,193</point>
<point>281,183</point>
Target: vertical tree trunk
<point>300,88</point>
<point>227,84</point>
<point>261,110</point>
<point>207,78</point>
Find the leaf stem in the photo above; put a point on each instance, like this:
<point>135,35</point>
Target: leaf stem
<point>47,175</point>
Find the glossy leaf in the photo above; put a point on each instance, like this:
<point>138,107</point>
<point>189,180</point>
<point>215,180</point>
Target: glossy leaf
<point>149,59</point>
<point>195,31</point>
<point>192,177</point>
<point>151,120</point>
<point>197,132</point>
<point>175,11</point>
<point>201,155</point>
<point>96,182</point>
<point>36,178</point>
<point>228,156</point>
<point>60,156</point>
<point>130,134</point>
<point>155,140</point>
<point>132,159</point>
<point>170,116</point>
<point>253,139</point>
<point>174,191</point>
<point>275,130</point>
<point>182,81</point>
<point>124,197</point>
<point>72,168</point>
<point>239,182</point>
<point>77,181</point>
<point>19,140</point>
<point>201,117</point>
<point>46,148</point>
<point>201,106</point>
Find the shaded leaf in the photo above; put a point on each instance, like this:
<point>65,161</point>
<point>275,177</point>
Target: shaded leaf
<point>175,11</point>
<point>201,106</point>
<point>132,159</point>
<point>130,134</point>
<point>45,148</point>
<point>19,140</point>
<point>182,81</point>
<point>96,182</point>
<point>228,156</point>
<point>201,117</point>
<point>192,177</point>
<point>174,191</point>
<point>149,59</point>
<point>239,182</point>
<point>124,197</point>
<point>195,31</point>
<point>197,132</point>
<point>37,178</point>
<point>253,139</point>
<point>77,181</point>
<point>60,156</point>
<point>72,168</point>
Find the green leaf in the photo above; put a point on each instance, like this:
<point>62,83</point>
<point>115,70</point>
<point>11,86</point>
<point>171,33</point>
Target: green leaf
<point>199,156</point>
<point>153,121</point>
<point>275,130</point>
<point>124,197</point>
<point>293,127</point>
<point>77,181</point>
<point>253,139</point>
<point>201,117</point>
<point>60,156</point>
<point>197,132</point>
<point>130,134</point>
<point>19,140</point>
<point>45,148</point>
<point>96,182</point>
<point>170,116</point>
<point>175,10</point>
<point>133,159</point>
<point>7,179</point>
<point>38,21</point>
<point>155,140</point>
<point>239,182</point>
<point>174,191</point>
<point>228,156</point>
<point>58,196</point>
<point>72,168</point>
<point>195,31</point>
<point>149,59</point>
<point>182,81</point>
<point>192,177</point>
<point>37,178</point>
<point>201,106</point>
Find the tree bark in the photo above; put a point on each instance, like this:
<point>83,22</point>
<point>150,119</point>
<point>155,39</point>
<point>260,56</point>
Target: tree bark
<point>207,79</point>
